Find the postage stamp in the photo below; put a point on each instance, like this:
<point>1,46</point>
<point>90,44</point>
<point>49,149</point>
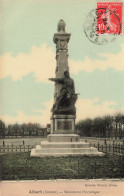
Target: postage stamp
<point>109,18</point>
<point>103,24</point>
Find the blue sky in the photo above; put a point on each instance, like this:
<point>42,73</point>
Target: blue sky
<point>27,56</point>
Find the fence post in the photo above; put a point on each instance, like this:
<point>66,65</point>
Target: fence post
<point>102,148</point>
<point>12,148</point>
<point>8,148</point>
<point>113,147</point>
<point>105,141</point>
<point>122,149</point>
<point>119,146</point>
<point>98,146</point>
<point>106,148</point>
<point>116,150</point>
<point>20,148</point>
<point>109,147</point>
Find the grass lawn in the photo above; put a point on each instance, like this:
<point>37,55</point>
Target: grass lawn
<point>23,167</point>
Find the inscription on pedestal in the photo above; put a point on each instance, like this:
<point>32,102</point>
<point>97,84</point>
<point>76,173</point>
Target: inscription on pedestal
<point>64,125</point>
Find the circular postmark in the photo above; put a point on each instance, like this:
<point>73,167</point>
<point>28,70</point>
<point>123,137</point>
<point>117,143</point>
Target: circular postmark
<point>102,26</point>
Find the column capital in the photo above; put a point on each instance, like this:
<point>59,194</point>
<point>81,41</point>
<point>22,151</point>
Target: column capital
<point>61,37</point>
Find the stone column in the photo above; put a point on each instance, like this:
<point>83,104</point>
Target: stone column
<point>61,122</point>
<point>61,40</point>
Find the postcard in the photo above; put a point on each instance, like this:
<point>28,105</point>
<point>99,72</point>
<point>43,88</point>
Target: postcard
<point>61,103</point>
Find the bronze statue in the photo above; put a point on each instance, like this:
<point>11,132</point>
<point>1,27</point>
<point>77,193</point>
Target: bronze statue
<point>67,98</point>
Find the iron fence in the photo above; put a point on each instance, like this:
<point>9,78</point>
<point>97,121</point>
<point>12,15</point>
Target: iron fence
<point>114,148</point>
<point>13,148</point>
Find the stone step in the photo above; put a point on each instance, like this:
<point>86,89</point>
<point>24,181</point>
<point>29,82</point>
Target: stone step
<point>58,145</point>
<point>39,149</point>
<point>46,144</point>
<point>64,154</point>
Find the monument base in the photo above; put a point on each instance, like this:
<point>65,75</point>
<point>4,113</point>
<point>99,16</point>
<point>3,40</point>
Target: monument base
<point>59,145</point>
<point>63,124</point>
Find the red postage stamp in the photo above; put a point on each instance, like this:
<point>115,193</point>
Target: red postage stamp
<point>109,18</point>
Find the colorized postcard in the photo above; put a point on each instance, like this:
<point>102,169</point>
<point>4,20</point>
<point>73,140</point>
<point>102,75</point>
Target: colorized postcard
<point>61,97</point>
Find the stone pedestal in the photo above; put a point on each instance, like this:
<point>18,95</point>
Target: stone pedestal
<point>58,145</point>
<point>63,124</point>
<point>63,138</point>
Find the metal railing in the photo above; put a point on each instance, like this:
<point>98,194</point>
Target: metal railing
<point>13,148</point>
<point>114,148</point>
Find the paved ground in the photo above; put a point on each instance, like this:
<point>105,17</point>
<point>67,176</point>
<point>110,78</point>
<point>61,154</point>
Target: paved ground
<point>37,140</point>
<point>101,140</point>
<point>19,141</point>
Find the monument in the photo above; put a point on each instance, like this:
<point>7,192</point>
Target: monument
<point>63,141</point>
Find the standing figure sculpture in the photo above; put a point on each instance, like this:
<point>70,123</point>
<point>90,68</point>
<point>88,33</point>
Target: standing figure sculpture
<point>65,102</point>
